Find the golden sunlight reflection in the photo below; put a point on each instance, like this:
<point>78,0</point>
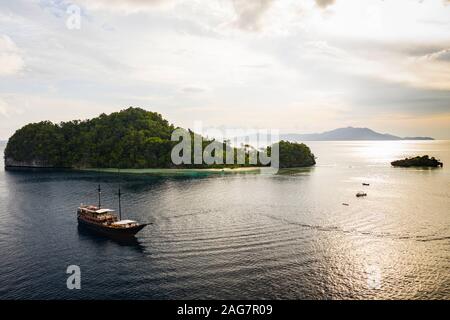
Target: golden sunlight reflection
<point>381,151</point>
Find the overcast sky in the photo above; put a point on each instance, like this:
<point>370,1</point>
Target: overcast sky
<point>297,66</point>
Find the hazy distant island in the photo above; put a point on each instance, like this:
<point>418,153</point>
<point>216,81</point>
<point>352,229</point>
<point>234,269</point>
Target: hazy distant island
<point>424,161</point>
<point>347,134</point>
<point>133,138</point>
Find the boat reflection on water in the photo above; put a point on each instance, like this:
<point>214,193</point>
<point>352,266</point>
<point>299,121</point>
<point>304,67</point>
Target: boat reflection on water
<point>132,242</point>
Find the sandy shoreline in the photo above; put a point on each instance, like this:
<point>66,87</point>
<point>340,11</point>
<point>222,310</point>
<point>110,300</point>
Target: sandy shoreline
<point>177,171</point>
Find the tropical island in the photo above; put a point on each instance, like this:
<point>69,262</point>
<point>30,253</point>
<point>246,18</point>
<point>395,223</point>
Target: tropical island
<point>424,161</point>
<point>130,139</point>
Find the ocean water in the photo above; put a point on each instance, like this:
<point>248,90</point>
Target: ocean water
<point>239,236</point>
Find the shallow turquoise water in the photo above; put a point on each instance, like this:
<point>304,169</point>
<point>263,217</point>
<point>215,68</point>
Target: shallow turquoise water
<point>239,236</point>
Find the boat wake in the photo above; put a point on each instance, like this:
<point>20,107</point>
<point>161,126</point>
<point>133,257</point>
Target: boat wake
<point>384,235</point>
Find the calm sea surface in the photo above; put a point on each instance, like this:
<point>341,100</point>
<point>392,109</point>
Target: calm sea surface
<point>239,236</point>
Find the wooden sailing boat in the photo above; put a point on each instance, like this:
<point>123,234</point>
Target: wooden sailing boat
<point>105,221</point>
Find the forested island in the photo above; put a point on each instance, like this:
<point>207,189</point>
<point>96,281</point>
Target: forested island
<point>424,161</point>
<point>132,138</point>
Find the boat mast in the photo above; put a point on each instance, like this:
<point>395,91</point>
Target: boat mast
<point>99,197</point>
<point>120,207</point>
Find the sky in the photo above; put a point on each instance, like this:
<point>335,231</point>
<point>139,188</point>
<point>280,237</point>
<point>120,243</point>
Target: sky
<point>297,66</point>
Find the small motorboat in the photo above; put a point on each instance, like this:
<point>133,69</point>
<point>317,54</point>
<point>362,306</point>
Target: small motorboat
<point>345,204</point>
<point>361,194</point>
<point>366,184</point>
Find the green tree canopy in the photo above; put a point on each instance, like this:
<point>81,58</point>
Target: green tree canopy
<point>131,138</point>
<point>293,155</point>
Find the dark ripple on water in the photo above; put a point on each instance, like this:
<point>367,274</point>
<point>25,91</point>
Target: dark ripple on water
<point>233,237</point>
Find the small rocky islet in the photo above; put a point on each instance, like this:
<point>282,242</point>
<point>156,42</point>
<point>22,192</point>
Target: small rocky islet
<point>420,161</point>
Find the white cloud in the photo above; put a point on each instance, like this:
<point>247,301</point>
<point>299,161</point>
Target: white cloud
<point>3,108</point>
<point>250,13</point>
<point>11,61</point>
<point>8,109</point>
<point>324,3</point>
<point>20,109</point>
<point>126,6</point>
<point>223,61</point>
<point>193,89</point>
<point>443,55</point>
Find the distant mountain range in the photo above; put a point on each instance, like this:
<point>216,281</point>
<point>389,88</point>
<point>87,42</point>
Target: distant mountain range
<point>347,134</point>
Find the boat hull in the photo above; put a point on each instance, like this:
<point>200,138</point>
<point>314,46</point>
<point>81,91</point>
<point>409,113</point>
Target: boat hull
<point>108,231</point>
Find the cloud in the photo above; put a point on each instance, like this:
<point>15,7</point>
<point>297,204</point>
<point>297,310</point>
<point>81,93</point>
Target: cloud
<point>125,6</point>
<point>250,13</point>
<point>193,89</point>
<point>7,110</point>
<point>441,55</point>
<point>11,61</point>
<point>20,109</point>
<point>324,3</point>
<point>3,108</point>
<point>229,57</point>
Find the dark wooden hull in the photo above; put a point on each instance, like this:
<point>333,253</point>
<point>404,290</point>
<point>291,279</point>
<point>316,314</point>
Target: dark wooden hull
<point>108,231</point>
